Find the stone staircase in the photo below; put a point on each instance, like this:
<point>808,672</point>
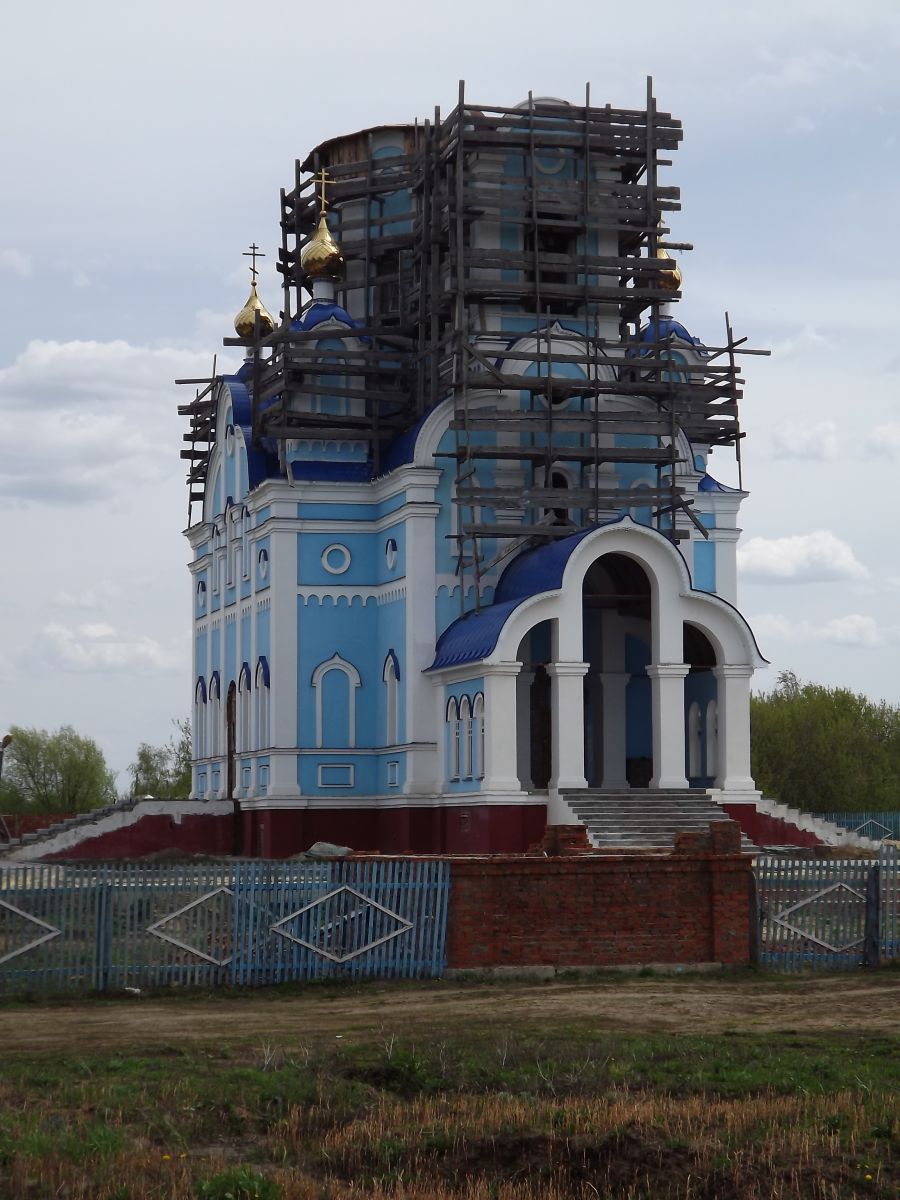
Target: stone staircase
<point>646,820</point>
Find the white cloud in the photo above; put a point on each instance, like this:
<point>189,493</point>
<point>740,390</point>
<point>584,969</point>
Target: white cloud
<point>63,374</point>
<point>805,70</point>
<point>883,441</point>
<point>853,629</point>
<point>99,595</point>
<point>816,557</point>
<point>86,419</point>
<point>799,343</point>
<point>16,262</point>
<point>814,443</point>
<point>100,647</point>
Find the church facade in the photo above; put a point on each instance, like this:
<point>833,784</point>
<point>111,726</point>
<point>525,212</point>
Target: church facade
<point>460,553</point>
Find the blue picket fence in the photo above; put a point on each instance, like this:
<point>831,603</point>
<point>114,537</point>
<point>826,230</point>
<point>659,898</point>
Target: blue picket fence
<point>874,825</point>
<point>127,925</point>
<point>828,914</point>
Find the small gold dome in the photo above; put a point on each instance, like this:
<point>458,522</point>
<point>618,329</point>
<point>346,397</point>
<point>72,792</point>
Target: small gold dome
<point>669,277</point>
<point>245,321</point>
<point>321,257</point>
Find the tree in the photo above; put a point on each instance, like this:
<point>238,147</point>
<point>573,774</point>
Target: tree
<point>164,772</point>
<point>825,749</point>
<point>54,772</point>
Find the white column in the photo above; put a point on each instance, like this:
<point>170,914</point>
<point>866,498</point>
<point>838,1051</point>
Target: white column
<point>733,704</point>
<point>523,727</point>
<point>500,771</point>
<point>284,650</point>
<point>567,717</point>
<point>424,736</point>
<point>614,684</point>
<point>667,684</point>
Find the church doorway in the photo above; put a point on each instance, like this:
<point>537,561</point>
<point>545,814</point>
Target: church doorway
<point>618,727</point>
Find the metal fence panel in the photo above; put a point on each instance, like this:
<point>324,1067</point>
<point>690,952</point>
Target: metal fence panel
<point>828,914</point>
<point>871,824</point>
<point>121,925</point>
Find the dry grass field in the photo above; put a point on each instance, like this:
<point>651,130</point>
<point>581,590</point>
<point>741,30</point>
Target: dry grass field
<point>632,1086</point>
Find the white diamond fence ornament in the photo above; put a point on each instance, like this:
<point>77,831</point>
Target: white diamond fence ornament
<point>340,923</point>
<point>157,927</point>
<point>52,931</point>
<point>808,902</point>
<point>880,833</point>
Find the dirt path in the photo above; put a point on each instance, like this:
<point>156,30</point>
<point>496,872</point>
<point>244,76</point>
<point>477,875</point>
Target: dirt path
<point>834,1004</point>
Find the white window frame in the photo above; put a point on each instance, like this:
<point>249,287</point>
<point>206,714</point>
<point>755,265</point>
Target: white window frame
<point>336,663</point>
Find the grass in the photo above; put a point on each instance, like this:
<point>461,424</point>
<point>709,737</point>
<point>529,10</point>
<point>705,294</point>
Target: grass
<point>478,1113</point>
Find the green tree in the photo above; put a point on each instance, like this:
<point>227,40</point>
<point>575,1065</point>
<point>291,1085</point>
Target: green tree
<point>54,772</point>
<point>825,749</point>
<point>164,772</point>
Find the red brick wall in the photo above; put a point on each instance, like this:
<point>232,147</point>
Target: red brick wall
<point>603,910</point>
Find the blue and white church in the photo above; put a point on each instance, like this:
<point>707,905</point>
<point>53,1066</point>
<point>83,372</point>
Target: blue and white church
<point>459,555</point>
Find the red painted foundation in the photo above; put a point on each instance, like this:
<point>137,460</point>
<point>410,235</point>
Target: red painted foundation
<point>487,829</point>
<point>193,834</point>
<point>766,830</point>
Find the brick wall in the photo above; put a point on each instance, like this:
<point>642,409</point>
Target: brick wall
<point>596,909</point>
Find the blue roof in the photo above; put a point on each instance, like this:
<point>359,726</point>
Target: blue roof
<point>708,484</point>
<point>474,636</point>
<point>320,311</point>
<point>658,331</point>
<point>260,464</point>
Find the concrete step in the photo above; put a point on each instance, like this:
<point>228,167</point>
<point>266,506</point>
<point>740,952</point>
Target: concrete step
<point>644,819</point>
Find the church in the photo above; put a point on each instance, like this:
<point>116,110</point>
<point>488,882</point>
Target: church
<point>459,552</point>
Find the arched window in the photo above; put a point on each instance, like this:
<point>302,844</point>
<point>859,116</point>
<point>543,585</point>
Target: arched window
<point>478,736</point>
<point>262,703</point>
<point>244,712</point>
<point>712,739</point>
<point>465,721</point>
<point>391,677</point>
<point>200,719</point>
<point>694,745</point>
<point>453,746</point>
<point>214,720</point>
<point>335,683</point>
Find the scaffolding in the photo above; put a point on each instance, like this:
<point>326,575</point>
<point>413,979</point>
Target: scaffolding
<point>579,215</point>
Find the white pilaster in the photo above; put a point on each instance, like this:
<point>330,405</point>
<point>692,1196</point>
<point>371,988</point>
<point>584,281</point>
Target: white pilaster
<point>500,772</point>
<point>733,704</point>
<point>424,771</point>
<point>614,710</point>
<point>667,691</point>
<point>285,651</point>
<point>567,715</point>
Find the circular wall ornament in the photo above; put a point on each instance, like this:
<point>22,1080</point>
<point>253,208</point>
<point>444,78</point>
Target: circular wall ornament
<point>336,558</point>
<point>390,553</point>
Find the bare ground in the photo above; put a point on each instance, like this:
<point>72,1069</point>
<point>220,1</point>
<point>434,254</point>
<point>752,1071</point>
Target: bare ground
<point>832,1004</point>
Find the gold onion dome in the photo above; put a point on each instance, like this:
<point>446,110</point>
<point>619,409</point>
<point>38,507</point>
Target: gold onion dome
<point>245,321</point>
<point>670,276</point>
<point>321,257</point>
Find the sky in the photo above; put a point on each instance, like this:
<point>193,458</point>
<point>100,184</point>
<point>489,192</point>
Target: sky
<point>143,150</point>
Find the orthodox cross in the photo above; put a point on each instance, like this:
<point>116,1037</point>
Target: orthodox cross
<point>323,177</point>
<point>253,253</point>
